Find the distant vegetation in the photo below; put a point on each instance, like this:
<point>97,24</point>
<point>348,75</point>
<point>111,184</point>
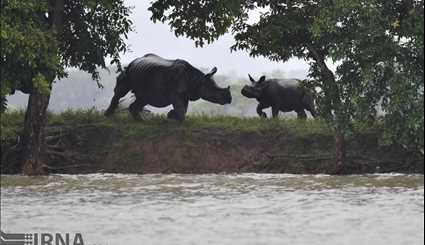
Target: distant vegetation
<point>79,92</point>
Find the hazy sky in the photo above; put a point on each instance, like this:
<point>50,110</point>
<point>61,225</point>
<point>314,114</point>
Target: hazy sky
<point>158,38</point>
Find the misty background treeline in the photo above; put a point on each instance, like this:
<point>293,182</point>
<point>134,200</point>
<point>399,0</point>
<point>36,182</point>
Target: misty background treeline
<point>78,91</point>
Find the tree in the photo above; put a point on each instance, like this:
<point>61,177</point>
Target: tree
<point>380,51</point>
<point>377,46</point>
<point>40,39</point>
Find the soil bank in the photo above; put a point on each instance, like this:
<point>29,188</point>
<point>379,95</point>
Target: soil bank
<point>209,145</point>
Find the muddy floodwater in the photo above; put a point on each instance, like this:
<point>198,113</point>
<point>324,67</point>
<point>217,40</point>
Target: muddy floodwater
<point>218,209</point>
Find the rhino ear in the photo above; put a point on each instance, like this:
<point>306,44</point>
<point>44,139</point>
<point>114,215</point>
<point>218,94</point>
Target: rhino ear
<point>211,73</point>
<point>251,79</point>
<point>262,79</point>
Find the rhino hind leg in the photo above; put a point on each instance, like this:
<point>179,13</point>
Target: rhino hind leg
<point>172,115</point>
<point>311,109</point>
<point>309,105</point>
<point>301,114</point>
<point>313,112</point>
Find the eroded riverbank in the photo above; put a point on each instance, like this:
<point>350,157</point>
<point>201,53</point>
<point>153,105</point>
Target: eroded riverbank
<point>90,143</point>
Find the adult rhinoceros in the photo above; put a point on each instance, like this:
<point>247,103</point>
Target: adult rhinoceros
<point>160,82</point>
<point>281,95</point>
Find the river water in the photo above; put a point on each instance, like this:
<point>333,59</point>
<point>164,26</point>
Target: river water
<point>218,209</point>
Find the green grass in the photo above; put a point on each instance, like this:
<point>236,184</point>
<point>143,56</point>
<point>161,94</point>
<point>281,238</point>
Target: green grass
<point>151,125</point>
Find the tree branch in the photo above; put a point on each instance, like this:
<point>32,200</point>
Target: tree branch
<point>58,16</point>
<point>320,60</point>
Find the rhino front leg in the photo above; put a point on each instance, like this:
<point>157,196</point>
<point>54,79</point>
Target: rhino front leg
<point>275,112</point>
<point>118,94</point>
<point>135,108</point>
<point>180,108</point>
<point>113,106</point>
<point>260,111</point>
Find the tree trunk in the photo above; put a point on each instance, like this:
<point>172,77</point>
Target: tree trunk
<point>340,151</point>
<point>333,92</point>
<point>32,145</point>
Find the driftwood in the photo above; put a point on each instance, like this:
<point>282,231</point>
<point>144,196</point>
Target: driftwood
<point>64,167</point>
<point>313,157</point>
<point>309,157</point>
<point>56,147</point>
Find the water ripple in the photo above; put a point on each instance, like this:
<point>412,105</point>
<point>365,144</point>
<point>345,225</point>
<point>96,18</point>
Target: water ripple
<point>219,209</point>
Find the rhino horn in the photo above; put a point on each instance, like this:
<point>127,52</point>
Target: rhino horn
<point>251,79</point>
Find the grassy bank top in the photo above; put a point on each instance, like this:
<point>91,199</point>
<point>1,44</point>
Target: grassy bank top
<point>153,124</point>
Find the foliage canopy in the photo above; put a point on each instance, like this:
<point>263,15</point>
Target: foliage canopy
<point>39,39</point>
<point>376,46</point>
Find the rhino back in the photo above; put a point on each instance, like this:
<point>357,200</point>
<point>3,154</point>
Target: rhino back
<point>287,83</point>
<point>284,93</point>
<point>279,87</point>
<point>152,72</point>
<point>150,64</point>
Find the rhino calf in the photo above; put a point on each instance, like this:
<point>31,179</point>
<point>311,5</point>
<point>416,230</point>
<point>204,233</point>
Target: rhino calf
<point>160,82</point>
<point>281,95</point>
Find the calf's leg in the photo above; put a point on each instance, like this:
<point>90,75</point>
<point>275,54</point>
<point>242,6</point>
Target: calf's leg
<point>312,111</point>
<point>308,103</point>
<point>260,111</point>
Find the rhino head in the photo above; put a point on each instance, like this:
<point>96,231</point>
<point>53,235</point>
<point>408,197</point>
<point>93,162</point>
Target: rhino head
<point>211,92</point>
<point>254,90</point>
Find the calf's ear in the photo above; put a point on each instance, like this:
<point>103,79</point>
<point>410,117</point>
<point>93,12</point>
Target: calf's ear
<point>211,73</point>
<point>262,79</point>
